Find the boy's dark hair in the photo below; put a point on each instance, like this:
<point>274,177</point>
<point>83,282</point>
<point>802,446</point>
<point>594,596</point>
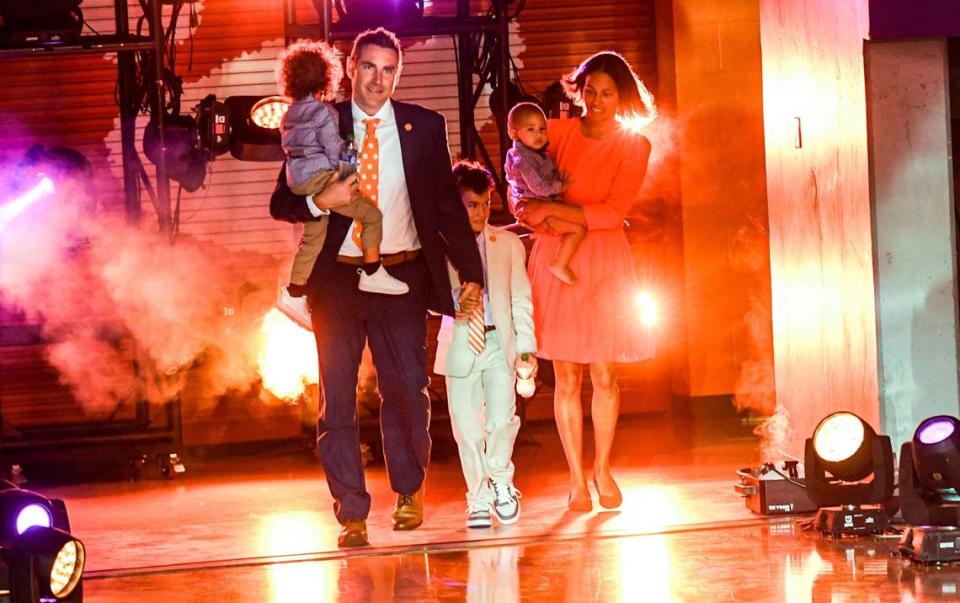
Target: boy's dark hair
<point>521,110</point>
<point>306,68</point>
<point>470,175</point>
<point>384,38</point>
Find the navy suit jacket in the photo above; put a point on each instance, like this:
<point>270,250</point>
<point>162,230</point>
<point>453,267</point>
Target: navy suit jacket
<point>438,214</point>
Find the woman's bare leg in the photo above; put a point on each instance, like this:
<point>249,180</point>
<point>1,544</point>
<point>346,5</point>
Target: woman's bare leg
<point>605,410</point>
<point>569,417</point>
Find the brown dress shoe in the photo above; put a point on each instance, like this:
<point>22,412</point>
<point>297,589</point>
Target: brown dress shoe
<point>353,534</point>
<point>409,511</point>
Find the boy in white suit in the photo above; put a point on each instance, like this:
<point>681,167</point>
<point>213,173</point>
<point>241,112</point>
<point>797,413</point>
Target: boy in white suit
<point>480,384</point>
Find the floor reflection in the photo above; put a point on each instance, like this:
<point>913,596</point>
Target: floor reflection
<point>283,533</point>
<point>773,561</point>
<point>493,574</point>
<point>681,535</point>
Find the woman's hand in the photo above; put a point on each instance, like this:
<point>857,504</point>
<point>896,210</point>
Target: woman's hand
<point>533,212</point>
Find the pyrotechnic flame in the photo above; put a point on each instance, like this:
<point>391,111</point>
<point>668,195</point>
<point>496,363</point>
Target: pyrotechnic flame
<point>288,357</point>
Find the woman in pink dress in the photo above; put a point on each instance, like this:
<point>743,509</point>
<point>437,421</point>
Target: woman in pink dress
<point>594,322</point>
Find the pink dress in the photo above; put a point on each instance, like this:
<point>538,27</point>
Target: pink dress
<point>596,320</point>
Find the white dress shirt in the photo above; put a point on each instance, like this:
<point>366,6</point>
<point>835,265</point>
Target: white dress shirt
<point>399,231</point>
<point>487,313</point>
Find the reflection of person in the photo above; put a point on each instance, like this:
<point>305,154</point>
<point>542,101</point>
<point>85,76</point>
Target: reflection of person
<point>480,385</point>
<point>494,573</point>
<point>308,73</point>
<point>595,321</point>
<point>532,173</point>
<point>423,224</point>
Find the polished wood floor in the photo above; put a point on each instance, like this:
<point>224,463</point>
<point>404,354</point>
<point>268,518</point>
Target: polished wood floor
<point>258,527</point>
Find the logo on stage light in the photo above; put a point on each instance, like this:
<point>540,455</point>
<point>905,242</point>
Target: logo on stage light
<point>785,508</point>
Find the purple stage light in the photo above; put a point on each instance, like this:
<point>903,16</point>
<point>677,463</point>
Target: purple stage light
<point>935,430</point>
<point>33,515</point>
<point>10,210</point>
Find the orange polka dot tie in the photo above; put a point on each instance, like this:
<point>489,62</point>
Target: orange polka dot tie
<point>369,170</point>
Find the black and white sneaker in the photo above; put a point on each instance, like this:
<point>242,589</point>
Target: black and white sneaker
<point>479,518</point>
<point>507,503</point>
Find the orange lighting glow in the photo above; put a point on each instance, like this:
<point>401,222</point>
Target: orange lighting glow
<point>300,533</point>
<point>288,357</point>
<point>648,308</point>
<point>634,124</point>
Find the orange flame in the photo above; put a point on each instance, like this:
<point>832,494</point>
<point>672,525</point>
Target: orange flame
<point>288,357</point>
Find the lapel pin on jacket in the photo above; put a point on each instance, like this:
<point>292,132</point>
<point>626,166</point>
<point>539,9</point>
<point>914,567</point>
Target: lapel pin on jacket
<point>408,126</point>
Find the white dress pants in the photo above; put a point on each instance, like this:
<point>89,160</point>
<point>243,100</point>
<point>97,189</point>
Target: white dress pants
<point>483,413</point>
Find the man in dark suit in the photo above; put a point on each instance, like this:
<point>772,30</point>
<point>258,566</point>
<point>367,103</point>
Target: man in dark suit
<point>404,166</point>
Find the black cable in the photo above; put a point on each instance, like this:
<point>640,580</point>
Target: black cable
<point>517,12</point>
<point>193,20</point>
<point>175,222</point>
<point>91,28</point>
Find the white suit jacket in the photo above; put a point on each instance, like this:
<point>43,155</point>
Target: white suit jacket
<point>510,304</point>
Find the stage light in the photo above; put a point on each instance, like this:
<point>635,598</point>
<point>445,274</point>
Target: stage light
<point>186,162</point>
<point>247,126</point>
<point>54,557</point>
<point>936,430</point>
<point>39,559</point>
<point>213,124</point>
<point>930,491</point>
<point>268,112</point>
<point>255,127</point>
<point>33,516</point>
<point>936,457</point>
<point>21,510</point>
<point>842,443</point>
<point>843,452</point>
<point>40,22</point>
<point>364,14</point>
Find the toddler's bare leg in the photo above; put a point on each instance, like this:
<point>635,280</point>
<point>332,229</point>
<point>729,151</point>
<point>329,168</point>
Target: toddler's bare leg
<point>573,235</point>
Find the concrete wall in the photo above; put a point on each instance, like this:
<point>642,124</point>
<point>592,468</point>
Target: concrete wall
<point>914,231</point>
<point>824,324</point>
<point>719,135</point>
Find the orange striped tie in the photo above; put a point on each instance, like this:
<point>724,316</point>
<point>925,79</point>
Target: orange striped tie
<point>477,328</point>
<point>369,170</point>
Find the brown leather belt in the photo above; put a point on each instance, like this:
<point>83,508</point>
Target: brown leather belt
<point>387,259</point>
<point>489,328</point>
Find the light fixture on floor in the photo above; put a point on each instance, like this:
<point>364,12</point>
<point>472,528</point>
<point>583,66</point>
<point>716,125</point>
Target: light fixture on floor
<point>39,559</point>
<point>843,452</point>
<point>930,491</point>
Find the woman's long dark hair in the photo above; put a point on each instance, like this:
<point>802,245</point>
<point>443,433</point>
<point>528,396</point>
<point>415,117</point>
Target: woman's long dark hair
<point>636,103</point>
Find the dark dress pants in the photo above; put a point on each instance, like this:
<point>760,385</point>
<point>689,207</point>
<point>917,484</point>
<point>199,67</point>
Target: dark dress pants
<point>344,318</point>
